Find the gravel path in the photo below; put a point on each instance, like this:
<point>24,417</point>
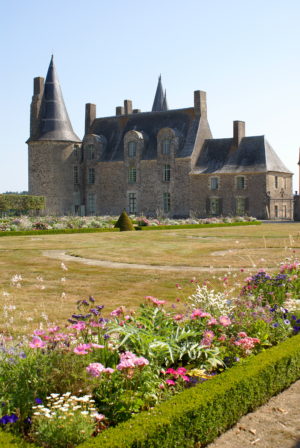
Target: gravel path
<point>61,255</point>
<point>274,425</point>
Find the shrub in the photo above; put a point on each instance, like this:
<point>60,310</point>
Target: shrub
<point>124,222</point>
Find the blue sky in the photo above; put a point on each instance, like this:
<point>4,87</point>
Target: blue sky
<point>244,54</point>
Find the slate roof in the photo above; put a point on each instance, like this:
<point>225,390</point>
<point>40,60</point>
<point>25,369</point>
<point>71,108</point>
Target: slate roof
<point>183,121</point>
<point>55,122</point>
<point>254,154</point>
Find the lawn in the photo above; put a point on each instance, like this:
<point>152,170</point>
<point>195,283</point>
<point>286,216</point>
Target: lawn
<point>48,293</point>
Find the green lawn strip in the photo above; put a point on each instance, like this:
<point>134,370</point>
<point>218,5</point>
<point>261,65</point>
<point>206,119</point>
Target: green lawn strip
<point>203,412</point>
<point>97,230</point>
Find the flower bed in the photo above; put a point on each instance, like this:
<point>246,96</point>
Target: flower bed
<point>55,224</point>
<point>98,373</point>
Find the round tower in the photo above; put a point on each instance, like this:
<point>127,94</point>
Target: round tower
<point>53,148</point>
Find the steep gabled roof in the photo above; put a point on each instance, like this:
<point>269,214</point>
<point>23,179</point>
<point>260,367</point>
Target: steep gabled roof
<point>160,100</point>
<point>253,154</point>
<point>54,120</point>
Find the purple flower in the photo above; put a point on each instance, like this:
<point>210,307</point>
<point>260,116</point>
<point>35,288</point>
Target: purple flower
<point>287,322</point>
<point>38,401</point>
<point>8,419</point>
<point>91,299</point>
<point>275,325</point>
<point>100,307</point>
<point>106,336</point>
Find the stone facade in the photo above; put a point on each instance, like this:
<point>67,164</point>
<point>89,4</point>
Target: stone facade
<point>163,162</point>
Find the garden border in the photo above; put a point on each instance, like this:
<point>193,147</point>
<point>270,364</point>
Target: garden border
<point>201,413</point>
<point>97,230</point>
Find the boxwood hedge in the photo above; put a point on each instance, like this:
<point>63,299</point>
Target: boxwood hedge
<point>95,230</point>
<point>203,412</point>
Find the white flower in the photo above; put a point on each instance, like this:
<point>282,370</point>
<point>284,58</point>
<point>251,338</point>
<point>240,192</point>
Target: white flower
<point>54,395</point>
<point>64,267</point>
<point>84,412</point>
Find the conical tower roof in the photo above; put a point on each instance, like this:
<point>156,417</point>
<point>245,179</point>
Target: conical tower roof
<point>54,120</point>
<point>165,103</point>
<point>160,100</point>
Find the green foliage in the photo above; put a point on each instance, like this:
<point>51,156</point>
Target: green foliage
<point>200,226</point>
<point>54,231</point>
<point>21,203</point>
<point>124,223</point>
<point>200,414</point>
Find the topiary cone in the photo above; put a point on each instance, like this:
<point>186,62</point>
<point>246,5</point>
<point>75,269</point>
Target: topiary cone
<point>124,222</point>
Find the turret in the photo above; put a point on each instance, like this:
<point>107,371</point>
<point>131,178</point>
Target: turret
<point>160,100</point>
<point>51,146</point>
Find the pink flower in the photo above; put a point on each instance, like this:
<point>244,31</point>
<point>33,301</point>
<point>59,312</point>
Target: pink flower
<point>225,321</point>
<point>242,334</point>
<point>199,313</point>
<point>79,325</point>
<point>97,346</point>
<point>161,386</point>
<point>178,286</point>
<point>170,382</point>
<point>171,371</point>
<point>95,369</point>
<point>222,338</point>
<point>212,321</point>
<point>185,378</point>
<point>178,317</point>
<point>155,301</point>
<point>209,334</point>
<point>118,311</point>
<point>53,329</point>
<point>141,361</point>
<point>37,343</point>
<point>82,349</point>
<point>108,370</point>
<point>38,332</point>
<point>130,360</point>
<point>60,337</point>
<point>99,417</point>
<point>181,370</point>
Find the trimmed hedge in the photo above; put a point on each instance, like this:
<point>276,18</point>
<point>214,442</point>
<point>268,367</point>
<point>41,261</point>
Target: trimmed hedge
<point>203,412</point>
<point>21,202</point>
<point>201,226</point>
<point>53,231</point>
<point>95,230</point>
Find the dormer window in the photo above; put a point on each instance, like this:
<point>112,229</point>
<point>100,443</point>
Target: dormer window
<point>131,149</point>
<point>166,144</point>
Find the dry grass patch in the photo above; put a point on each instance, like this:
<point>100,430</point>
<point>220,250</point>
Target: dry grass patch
<point>47,293</point>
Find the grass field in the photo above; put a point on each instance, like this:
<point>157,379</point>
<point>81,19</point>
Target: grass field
<point>48,293</point>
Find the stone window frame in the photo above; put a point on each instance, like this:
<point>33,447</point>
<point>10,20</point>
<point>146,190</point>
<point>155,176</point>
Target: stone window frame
<point>214,210</point>
<point>240,182</point>
<point>132,202</point>
<point>135,139</point>
<point>217,181</point>
<point>93,147</point>
<point>167,173</point>
<point>276,211</point>
<point>240,211</point>
<point>91,176</point>
<point>132,175</point>
<point>166,202</point>
<point>170,135</point>
<point>276,182</point>
<point>76,175</point>
<point>76,151</point>
<point>91,203</point>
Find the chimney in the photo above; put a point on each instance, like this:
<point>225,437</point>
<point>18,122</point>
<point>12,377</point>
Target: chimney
<point>200,103</point>
<point>90,115</point>
<point>38,90</point>
<point>238,132</point>
<point>128,107</point>
<point>120,110</point>
<point>136,111</point>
